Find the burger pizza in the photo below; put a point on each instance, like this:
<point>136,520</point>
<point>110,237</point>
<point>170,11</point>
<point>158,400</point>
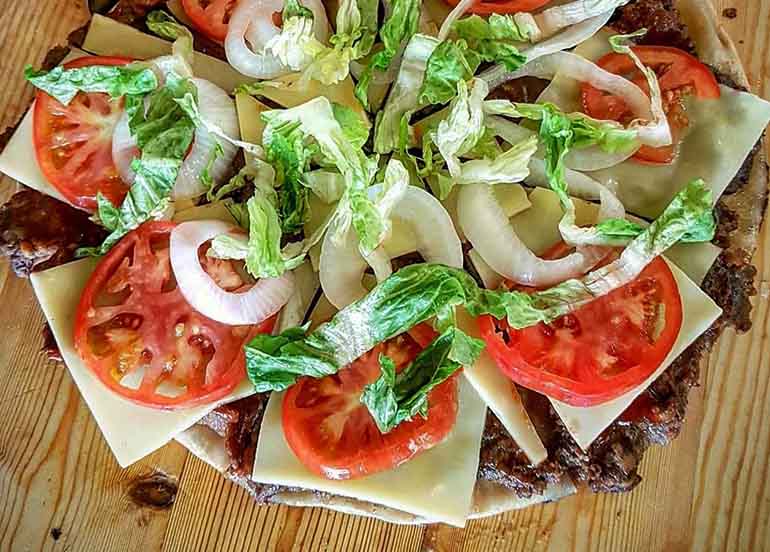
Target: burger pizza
<point>419,260</point>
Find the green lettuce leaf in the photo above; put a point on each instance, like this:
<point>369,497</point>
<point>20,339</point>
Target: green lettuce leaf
<point>296,44</point>
<point>451,62</point>
<point>355,128</point>
<point>115,80</point>
<point>495,39</point>
<point>393,399</point>
<point>391,130</point>
<point>355,34</point>
<point>397,29</point>
<point>286,151</point>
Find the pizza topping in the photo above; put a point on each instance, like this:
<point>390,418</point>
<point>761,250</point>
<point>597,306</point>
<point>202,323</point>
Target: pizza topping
<point>137,334</point>
<point>679,74</point>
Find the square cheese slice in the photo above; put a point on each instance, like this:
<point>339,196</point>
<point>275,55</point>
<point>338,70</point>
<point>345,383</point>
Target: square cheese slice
<point>131,431</point>
<point>698,313</point>
<point>437,484</point>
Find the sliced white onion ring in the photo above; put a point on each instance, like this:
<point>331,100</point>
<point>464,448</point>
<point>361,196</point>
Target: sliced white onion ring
<point>215,106</point>
<point>250,28</point>
<point>257,304</point>
<point>342,267</point>
<point>492,236</point>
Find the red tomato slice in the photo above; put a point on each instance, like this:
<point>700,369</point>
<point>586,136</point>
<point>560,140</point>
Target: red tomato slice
<point>503,6</point>
<point>140,337</point>
<point>601,350</point>
<point>210,16</point>
<point>73,143</point>
<point>679,75</point>
<point>334,435</point>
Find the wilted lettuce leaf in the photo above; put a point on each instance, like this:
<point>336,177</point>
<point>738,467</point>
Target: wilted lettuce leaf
<point>115,80</point>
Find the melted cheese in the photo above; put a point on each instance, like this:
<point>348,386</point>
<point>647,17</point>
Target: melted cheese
<point>437,484</point>
<point>586,423</point>
<point>719,138</point>
<point>131,431</point>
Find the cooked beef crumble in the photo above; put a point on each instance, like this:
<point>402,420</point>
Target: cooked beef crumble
<point>39,232</point>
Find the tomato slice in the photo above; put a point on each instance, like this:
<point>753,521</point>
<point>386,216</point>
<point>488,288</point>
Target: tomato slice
<point>679,75</point>
<point>136,332</point>
<point>334,435</point>
<point>503,6</point>
<point>73,143</point>
<point>599,351</point>
<point>210,16</point>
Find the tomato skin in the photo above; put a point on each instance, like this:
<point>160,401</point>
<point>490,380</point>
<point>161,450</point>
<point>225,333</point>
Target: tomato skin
<point>211,20</point>
<point>532,356</point>
<point>504,6</point>
<point>133,266</point>
<point>58,133</point>
<point>334,435</point>
<point>679,74</point>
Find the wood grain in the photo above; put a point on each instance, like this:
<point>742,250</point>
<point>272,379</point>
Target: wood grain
<point>61,489</point>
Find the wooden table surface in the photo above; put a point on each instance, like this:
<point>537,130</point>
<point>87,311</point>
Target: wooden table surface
<point>60,487</point>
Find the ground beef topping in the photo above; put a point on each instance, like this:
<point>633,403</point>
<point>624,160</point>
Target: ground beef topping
<point>39,232</point>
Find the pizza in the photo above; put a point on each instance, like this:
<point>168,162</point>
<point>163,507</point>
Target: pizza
<point>426,263</point>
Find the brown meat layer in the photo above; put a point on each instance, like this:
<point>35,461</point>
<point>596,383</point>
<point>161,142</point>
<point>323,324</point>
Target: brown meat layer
<point>39,232</point>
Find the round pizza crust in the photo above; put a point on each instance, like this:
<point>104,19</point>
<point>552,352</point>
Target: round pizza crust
<point>714,48</point>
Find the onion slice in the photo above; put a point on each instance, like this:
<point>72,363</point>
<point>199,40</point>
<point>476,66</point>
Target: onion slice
<point>215,106</point>
<point>492,236</point>
<point>260,302</point>
<point>342,266</point>
<point>251,27</point>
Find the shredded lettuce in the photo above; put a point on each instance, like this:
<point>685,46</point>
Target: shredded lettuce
<point>396,31</point>
<point>356,30</point>
<point>317,121</point>
<point>163,133</point>
<point>115,80</point>
<point>392,130</point>
<point>286,150</point>
<point>296,44</point>
<point>355,128</point>
<point>477,40</point>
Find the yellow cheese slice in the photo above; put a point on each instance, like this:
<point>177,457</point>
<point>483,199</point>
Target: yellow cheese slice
<point>586,423</point>
<point>720,136</point>
<point>437,484</point>
<point>131,431</point>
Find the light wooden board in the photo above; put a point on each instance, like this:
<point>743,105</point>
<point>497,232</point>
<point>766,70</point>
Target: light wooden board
<point>707,491</point>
